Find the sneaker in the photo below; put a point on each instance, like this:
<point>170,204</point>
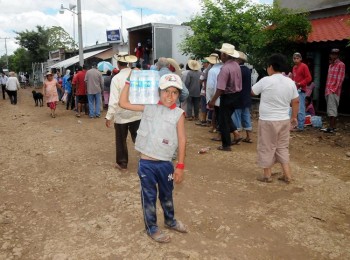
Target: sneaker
<point>201,123</point>
<point>179,227</point>
<point>327,130</point>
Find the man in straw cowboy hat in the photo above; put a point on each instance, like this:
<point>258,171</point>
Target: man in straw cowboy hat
<point>193,84</point>
<point>207,63</point>
<point>229,86</point>
<point>241,116</point>
<point>211,89</point>
<point>124,120</point>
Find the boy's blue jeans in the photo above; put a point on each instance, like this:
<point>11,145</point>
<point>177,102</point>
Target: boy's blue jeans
<point>153,174</point>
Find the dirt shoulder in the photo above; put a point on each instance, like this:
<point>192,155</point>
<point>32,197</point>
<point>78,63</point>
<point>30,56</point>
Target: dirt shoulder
<point>61,198</point>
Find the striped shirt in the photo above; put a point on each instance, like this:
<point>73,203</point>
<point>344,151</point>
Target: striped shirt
<point>335,78</point>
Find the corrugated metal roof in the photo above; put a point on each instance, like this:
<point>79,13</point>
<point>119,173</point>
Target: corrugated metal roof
<point>336,28</point>
<point>68,62</point>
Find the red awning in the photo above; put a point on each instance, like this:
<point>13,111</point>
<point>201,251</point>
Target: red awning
<point>336,28</point>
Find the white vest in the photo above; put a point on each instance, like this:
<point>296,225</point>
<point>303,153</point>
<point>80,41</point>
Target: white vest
<point>157,134</point>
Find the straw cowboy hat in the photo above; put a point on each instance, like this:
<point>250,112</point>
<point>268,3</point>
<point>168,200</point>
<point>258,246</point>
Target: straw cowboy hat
<point>229,49</point>
<point>175,65</point>
<point>213,58</point>
<point>194,65</point>
<point>243,56</point>
<point>125,57</point>
<point>48,73</point>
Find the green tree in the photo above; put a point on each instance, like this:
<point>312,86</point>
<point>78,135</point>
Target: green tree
<point>59,38</point>
<point>42,40</point>
<point>3,63</point>
<point>20,60</point>
<point>258,30</point>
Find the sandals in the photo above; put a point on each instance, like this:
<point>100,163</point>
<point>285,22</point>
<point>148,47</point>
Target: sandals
<point>236,141</point>
<point>117,166</point>
<point>284,179</point>
<point>247,140</point>
<point>179,227</point>
<point>264,179</point>
<point>160,237</point>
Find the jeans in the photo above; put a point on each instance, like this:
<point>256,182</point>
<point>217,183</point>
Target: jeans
<point>70,101</point>
<point>193,102</point>
<point>3,88</point>
<point>241,117</point>
<point>94,104</point>
<point>60,94</point>
<point>153,174</point>
<point>301,114</point>
<point>121,134</point>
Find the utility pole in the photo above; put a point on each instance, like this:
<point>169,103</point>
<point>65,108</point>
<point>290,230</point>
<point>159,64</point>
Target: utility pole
<point>80,35</point>
<point>141,15</point>
<point>7,58</point>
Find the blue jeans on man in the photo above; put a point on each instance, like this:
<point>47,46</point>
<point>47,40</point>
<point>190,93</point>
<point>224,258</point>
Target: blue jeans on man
<point>301,114</point>
<point>241,119</point>
<point>94,105</point>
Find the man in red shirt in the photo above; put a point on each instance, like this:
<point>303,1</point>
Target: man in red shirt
<point>302,77</point>
<point>335,78</point>
<point>79,85</point>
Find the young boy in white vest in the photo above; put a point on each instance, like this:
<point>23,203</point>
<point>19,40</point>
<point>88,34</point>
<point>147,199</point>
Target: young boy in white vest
<point>161,132</point>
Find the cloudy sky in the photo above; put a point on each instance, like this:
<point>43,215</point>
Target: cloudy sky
<point>97,16</point>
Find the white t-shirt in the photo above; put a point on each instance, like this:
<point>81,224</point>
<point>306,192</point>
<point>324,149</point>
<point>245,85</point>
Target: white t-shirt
<point>277,92</point>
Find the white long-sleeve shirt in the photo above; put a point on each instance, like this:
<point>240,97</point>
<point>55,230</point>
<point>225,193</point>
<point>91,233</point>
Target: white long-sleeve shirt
<point>120,115</point>
<point>3,79</point>
<point>12,84</point>
<point>212,81</point>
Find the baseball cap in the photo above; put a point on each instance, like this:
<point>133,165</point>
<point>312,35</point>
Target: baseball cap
<point>170,80</point>
<point>297,54</point>
<point>336,51</point>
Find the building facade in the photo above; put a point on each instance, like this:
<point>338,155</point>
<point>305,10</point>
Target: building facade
<point>330,23</point>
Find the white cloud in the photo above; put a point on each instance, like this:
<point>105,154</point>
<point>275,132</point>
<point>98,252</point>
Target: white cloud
<point>97,16</point>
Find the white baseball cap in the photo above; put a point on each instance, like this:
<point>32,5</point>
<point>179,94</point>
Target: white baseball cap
<point>170,80</point>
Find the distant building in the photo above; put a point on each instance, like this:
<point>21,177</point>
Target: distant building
<point>330,29</point>
<point>61,60</point>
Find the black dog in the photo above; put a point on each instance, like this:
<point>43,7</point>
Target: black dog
<point>38,98</point>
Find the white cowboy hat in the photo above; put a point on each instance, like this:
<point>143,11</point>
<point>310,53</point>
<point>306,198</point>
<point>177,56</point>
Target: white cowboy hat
<point>229,49</point>
<point>176,66</point>
<point>243,56</point>
<point>213,58</point>
<point>194,65</point>
<point>125,57</point>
